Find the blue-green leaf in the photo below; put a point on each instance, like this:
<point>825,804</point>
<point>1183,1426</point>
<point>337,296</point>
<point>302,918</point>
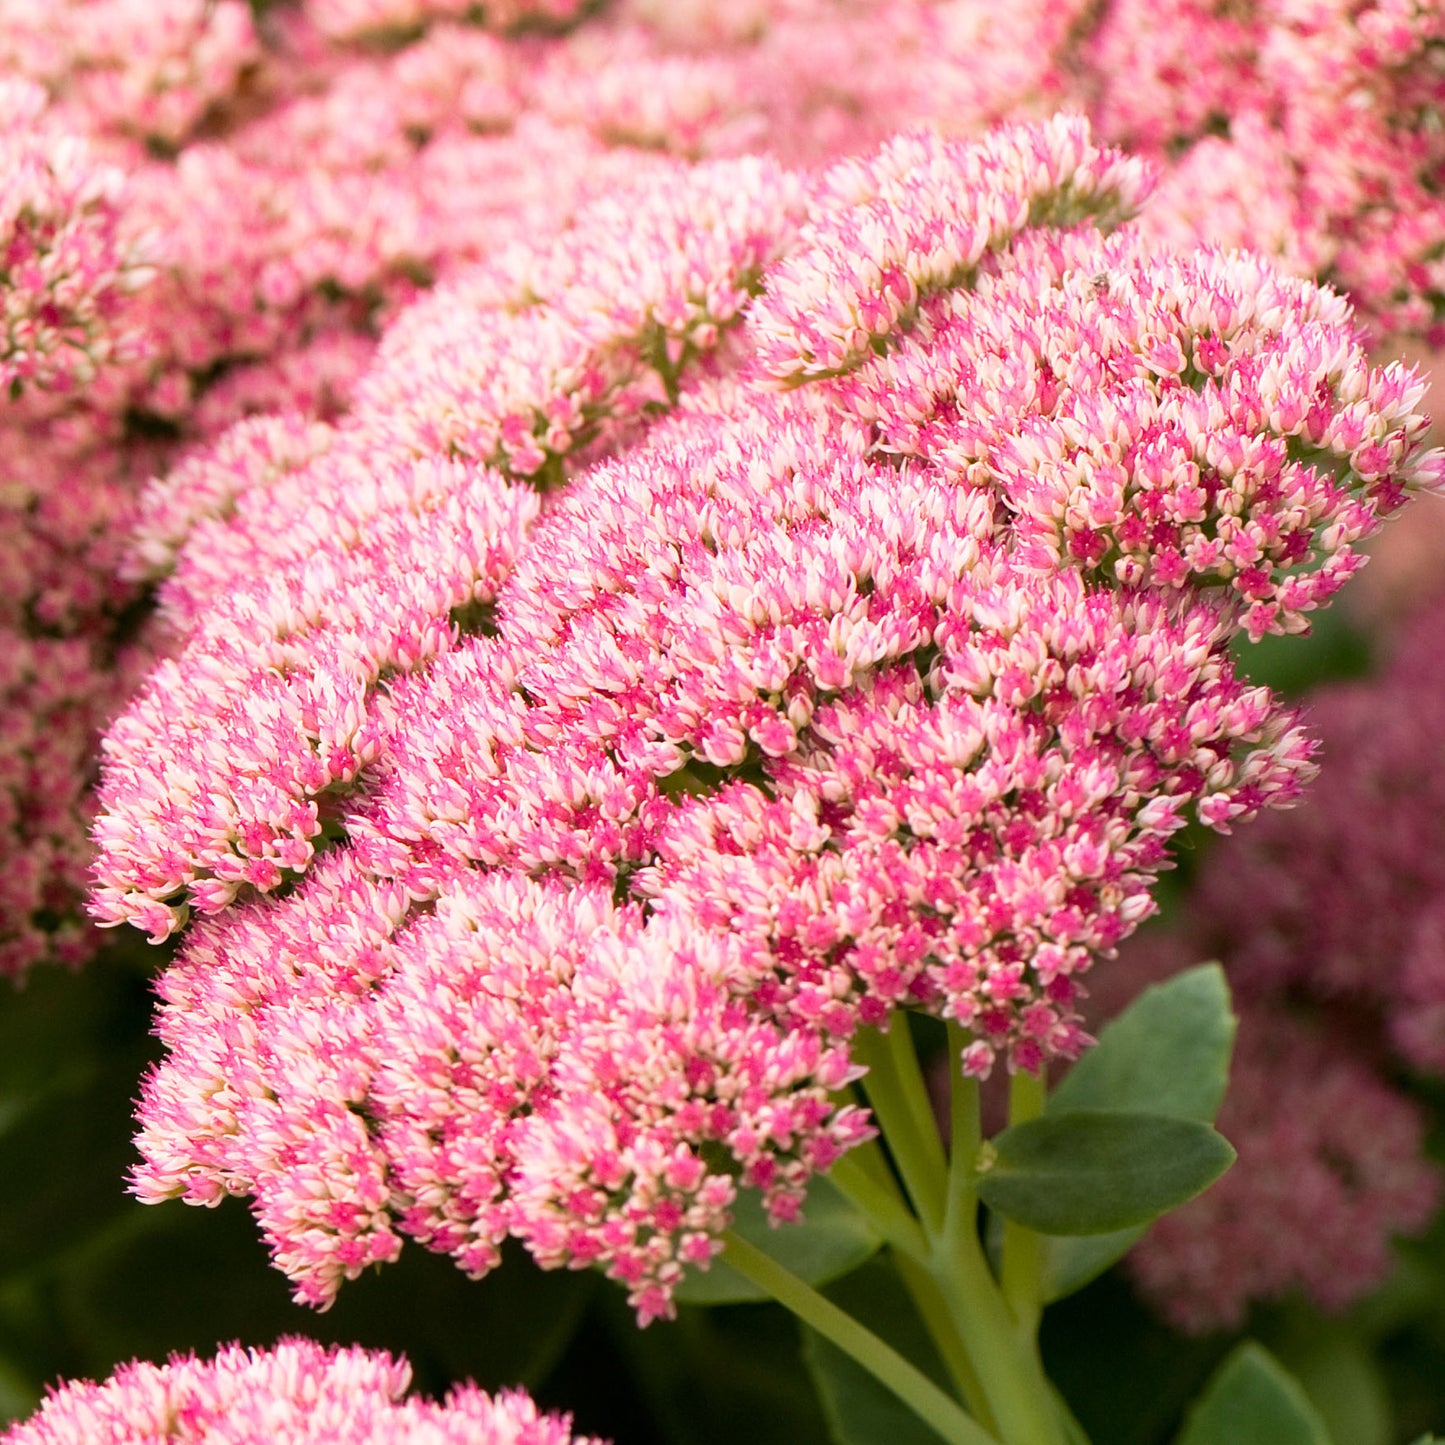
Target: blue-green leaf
<point>1072,1261</point>
<point>1094,1171</point>
<point>1337,1368</point>
<point>1253,1400</point>
<point>1167,1053</point>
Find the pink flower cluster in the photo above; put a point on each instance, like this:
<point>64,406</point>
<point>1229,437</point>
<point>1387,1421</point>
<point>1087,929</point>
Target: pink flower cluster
<point>288,191</point>
<point>68,276</point>
<point>918,219</point>
<point>795,594</point>
<point>296,1393</point>
<point>65,267</point>
<point>1331,1151</point>
<point>293,180</point>
<point>1219,450</point>
<point>147,69</point>
<point>1331,1165</point>
<point>321,563</point>
<point>804,699</point>
<point>1323,114</point>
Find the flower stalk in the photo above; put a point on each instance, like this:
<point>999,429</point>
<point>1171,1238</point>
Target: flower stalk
<point>900,1102</point>
<point>984,1328</point>
<point>881,1360</point>
<point>1022,1272</point>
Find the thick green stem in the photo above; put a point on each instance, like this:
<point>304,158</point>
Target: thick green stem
<point>865,1179</point>
<point>1004,1358</point>
<point>881,1360</point>
<point>933,1311</point>
<point>1022,1272</point>
<point>965,1136</point>
<point>985,1334</point>
<point>899,1098</point>
<point>869,1157</point>
<point>1003,1355</point>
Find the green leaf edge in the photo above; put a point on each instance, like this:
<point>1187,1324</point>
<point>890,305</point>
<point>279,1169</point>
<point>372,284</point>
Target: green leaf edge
<point>1251,1359</point>
<point>1073,1261</point>
<point>996,1186</point>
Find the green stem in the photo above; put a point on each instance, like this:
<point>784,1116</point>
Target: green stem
<point>1006,1361</point>
<point>882,1206</point>
<point>881,1360</point>
<point>933,1311</point>
<point>864,1178</point>
<point>899,1098</point>
<point>1003,1356</point>
<point>966,1135</point>
<point>870,1157</point>
<point>1022,1271</point>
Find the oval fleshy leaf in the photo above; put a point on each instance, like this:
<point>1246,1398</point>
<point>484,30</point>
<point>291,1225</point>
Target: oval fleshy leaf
<point>1251,1399</point>
<point>1095,1171</point>
<point>1167,1053</point>
<point>1074,1260</point>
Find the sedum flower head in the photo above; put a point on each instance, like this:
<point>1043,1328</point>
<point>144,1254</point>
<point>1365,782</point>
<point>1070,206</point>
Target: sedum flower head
<point>65,264</point>
<point>682,687</point>
<point>295,1393</point>
<point>148,69</point>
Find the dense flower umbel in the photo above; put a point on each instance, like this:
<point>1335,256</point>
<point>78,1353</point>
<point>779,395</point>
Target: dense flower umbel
<point>919,218</point>
<point>533,1061</point>
<point>320,577</point>
<point>801,704</point>
<point>1192,422</point>
<point>295,183</point>
<point>296,1393</point>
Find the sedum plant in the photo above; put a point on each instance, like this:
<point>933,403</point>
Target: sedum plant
<point>687,660</point>
<point>695,570</point>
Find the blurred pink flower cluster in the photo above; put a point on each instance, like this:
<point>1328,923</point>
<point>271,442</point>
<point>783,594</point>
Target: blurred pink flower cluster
<point>151,72</point>
<point>1306,129</point>
<point>69,273</point>
<point>1352,977</point>
<point>1331,1166</point>
<point>66,266</point>
<point>776,599</point>
<point>296,1393</point>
